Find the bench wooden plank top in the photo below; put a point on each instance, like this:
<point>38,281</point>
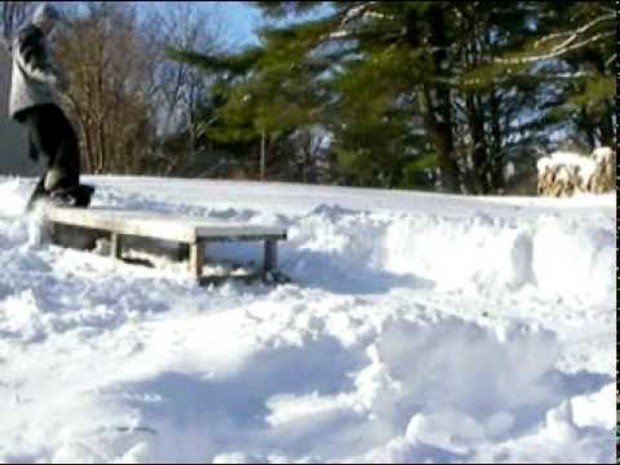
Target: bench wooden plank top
<point>159,225</point>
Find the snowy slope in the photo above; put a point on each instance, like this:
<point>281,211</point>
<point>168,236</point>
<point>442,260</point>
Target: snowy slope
<point>419,327</point>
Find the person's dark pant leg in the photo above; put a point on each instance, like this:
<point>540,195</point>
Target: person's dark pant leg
<point>67,161</point>
<point>52,135</point>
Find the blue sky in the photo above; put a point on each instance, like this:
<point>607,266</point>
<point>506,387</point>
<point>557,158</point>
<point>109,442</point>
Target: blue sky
<point>240,19</point>
<point>243,18</point>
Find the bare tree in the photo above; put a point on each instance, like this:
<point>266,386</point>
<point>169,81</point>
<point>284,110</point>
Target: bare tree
<point>175,87</point>
<point>105,58</point>
<point>126,95</point>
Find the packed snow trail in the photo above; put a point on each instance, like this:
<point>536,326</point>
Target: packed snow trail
<point>419,327</point>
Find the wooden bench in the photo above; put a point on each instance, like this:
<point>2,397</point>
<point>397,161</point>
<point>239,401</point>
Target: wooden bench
<point>194,233</point>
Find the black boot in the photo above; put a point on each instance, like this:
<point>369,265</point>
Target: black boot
<point>76,196</point>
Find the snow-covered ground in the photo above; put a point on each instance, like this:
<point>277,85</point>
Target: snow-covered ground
<point>418,328</point>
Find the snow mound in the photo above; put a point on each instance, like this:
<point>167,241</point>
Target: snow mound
<point>341,248</point>
<point>572,260</point>
<point>440,329</point>
<point>413,390</point>
<point>14,194</point>
<point>479,254</point>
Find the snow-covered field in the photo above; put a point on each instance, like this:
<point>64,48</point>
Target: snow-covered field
<point>418,328</point>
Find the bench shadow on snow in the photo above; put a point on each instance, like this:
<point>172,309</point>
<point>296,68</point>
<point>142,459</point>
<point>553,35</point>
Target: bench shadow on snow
<point>451,372</point>
<point>319,270</point>
<point>314,269</point>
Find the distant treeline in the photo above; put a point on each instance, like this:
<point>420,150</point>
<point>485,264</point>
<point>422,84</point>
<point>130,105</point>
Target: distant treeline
<point>451,96</point>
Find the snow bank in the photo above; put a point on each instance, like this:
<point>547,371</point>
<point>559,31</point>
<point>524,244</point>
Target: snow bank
<point>473,249</point>
<point>334,245</point>
<point>14,194</point>
<point>480,254</point>
<point>477,253</point>
<point>575,260</point>
<point>438,329</point>
<point>280,381</point>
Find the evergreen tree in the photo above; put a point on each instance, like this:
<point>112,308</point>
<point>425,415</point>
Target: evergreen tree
<point>408,89</point>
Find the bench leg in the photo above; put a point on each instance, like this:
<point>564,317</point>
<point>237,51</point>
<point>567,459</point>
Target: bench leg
<point>116,246</point>
<point>196,258</point>
<point>52,232</point>
<point>182,252</point>
<point>271,255</point>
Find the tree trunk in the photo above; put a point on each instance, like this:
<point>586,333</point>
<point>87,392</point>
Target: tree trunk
<point>607,127</point>
<point>479,148</point>
<point>438,118</point>
<point>441,138</point>
<point>496,155</point>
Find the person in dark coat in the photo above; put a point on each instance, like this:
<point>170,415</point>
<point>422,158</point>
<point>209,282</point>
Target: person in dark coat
<point>34,101</point>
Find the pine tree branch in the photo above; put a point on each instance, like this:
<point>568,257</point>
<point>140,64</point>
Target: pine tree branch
<point>355,11</point>
<point>611,60</point>
<point>363,11</point>
<point>575,34</point>
<point>460,82</point>
<point>553,54</point>
<point>339,34</point>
